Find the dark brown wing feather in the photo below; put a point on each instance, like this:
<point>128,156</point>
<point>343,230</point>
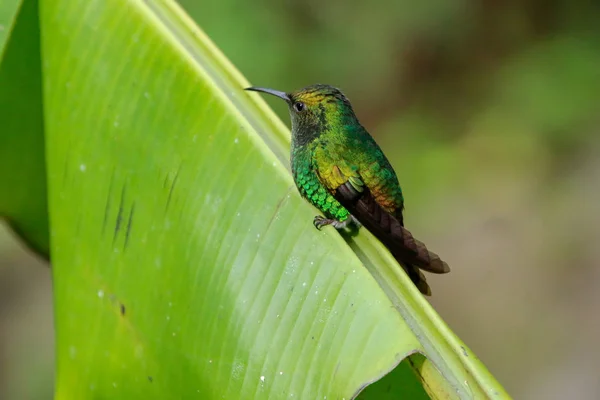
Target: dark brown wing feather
<point>409,251</point>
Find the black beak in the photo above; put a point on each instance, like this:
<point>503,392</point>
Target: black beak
<point>275,93</point>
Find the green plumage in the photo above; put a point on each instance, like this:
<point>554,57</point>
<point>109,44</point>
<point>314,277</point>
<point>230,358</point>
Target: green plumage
<point>338,167</point>
<point>307,181</point>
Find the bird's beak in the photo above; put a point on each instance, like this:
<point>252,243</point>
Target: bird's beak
<point>275,93</point>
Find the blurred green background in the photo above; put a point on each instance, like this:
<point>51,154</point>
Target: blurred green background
<point>489,111</point>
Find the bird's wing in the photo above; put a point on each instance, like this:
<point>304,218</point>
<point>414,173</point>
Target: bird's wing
<point>348,185</point>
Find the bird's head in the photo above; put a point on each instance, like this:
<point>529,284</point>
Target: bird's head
<point>314,110</point>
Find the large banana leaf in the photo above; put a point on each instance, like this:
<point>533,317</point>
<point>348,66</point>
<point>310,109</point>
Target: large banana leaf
<point>185,264</point>
<point>8,15</point>
<point>22,171</point>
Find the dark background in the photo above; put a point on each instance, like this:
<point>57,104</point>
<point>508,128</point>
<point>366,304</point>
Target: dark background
<point>490,113</point>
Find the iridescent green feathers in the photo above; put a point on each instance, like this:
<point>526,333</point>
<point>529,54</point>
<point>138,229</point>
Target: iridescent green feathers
<point>310,186</point>
<point>337,147</point>
<point>339,168</point>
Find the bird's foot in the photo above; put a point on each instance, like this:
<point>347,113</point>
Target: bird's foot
<point>321,221</point>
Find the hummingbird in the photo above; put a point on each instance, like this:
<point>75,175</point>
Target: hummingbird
<point>339,168</point>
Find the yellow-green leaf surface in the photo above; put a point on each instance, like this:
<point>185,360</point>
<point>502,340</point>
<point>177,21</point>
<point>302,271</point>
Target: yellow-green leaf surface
<point>185,264</point>
<point>8,15</point>
<point>22,170</point>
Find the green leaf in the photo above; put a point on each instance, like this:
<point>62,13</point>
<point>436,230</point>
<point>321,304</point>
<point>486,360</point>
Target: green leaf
<point>185,265</point>
<point>22,170</point>
<point>8,14</point>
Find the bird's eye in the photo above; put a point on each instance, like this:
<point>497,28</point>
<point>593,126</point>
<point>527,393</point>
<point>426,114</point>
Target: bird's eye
<point>299,106</point>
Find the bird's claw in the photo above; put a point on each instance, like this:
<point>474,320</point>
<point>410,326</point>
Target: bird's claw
<point>320,221</point>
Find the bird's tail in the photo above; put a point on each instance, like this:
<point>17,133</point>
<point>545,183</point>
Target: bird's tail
<point>411,253</point>
<point>417,277</point>
<point>403,245</point>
